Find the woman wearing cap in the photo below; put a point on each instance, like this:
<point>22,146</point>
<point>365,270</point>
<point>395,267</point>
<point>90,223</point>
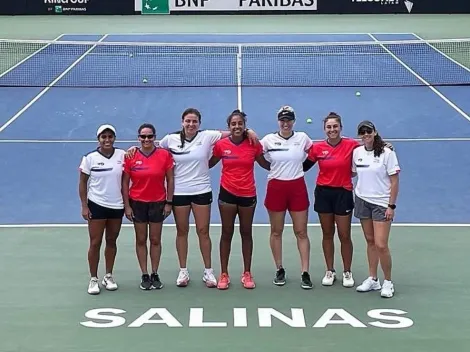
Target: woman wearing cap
<point>377,169</point>
<point>286,191</point>
<point>148,200</point>
<point>102,204</point>
<point>191,149</point>
<point>237,194</point>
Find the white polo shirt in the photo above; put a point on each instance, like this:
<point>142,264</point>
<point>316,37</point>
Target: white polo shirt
<point>104,183</point>
<point>191,161</point>
<point>373,174</point>
<point>286,155</point>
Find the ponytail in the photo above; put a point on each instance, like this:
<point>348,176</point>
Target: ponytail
<point>378,145</point>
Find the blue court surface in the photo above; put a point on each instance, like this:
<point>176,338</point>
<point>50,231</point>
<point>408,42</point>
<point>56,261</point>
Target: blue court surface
<point>52,102</point>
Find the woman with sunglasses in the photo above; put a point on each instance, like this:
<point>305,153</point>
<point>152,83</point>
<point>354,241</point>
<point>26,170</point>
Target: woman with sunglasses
<point>377,169</point>
<point>334,200</point>
<point>286,190</point>
<point>102,204</point>
<point>237,195</point>
<point>191,149</point>
<point>147,201</point>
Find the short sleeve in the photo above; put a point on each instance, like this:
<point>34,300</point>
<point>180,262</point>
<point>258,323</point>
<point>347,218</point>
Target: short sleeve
<point>312,153</point>
<point>217,151</point>
<point>308,143</point>
<point>353,163</point>
<point>259,150</point>
<point>214,136</point>
<point>392,163</point>
<point>164,142</point>
<point>170,162</point>
<point>127,165</point>
<point>85,165</point>
<point>265,147</point>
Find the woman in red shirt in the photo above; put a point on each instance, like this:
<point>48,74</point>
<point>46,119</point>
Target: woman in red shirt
<point>237,193</point>
<point>334,200</point>
<point>147,202</point>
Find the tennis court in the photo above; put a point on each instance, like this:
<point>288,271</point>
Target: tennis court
<point>53,95</point>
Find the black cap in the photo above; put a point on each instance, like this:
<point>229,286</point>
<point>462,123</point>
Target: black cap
<point>367,124</point>
<point>286,113</point>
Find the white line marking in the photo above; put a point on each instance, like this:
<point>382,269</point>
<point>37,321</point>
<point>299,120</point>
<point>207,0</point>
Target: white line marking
<point>450,139</point>
<point>13,226</point>
<point>442,96</point>
<point>443,54</point>
<point>29,57</point>
<point>45,90</point>
<point>245,34</point>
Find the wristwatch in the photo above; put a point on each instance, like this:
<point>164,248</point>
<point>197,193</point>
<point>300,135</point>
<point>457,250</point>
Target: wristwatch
<point>169,202</point>
<point>392,206</point>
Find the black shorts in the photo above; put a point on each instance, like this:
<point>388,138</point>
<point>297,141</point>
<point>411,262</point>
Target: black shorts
<point>228,198</point>
<point>333,200</point>
<point>198,199</point>
<point>145,212</point>
<point>99,212</point>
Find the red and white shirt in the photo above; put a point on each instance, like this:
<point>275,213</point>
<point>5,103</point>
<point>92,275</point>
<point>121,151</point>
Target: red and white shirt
<point>237,175</point>
<point>334,162</point>
<point>148,175</point>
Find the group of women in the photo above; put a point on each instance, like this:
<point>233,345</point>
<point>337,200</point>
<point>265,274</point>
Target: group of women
<point>149,182</point>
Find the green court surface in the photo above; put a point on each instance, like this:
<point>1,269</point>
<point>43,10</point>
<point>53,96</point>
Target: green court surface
<point>45,306</point>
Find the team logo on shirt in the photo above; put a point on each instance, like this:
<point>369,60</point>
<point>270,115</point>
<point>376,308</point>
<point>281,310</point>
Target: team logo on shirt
<point>227,152</point>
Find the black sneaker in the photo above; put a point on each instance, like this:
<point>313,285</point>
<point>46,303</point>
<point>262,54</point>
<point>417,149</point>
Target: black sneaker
<point>145,283</point>
<point>305,282</point>
<point>280,277</point>
<point>156,283</point>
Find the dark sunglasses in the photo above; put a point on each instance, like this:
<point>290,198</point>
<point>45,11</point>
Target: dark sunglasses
<point>363,131</point>
<point>146,136</point>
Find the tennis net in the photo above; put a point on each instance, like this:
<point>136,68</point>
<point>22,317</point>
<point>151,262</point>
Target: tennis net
<point>33,63</point>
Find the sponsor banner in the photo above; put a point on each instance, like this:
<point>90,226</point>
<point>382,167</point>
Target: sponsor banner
<point>80,7</point>
<point>169,6</point>
<point>303,6</point>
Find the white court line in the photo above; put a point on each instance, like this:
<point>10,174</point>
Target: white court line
<point>443,54</point>
<point>244,34</point>
<point>37,226</point>
<point>442,96</point>
<point>450,139</point>
<point>29,57</point>
<point>44,91</point>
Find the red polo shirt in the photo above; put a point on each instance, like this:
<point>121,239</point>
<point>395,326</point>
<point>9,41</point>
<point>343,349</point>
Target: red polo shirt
<point>147,173</point>
<point>334,162</point>
<point>238,161</point>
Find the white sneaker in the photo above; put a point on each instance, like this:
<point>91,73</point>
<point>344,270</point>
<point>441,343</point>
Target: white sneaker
<point>348,280</point>
<point>329,278</point>
<point>369,284</point>
<point>209,278</point>
<point>94,286</point>
<point>387,289</point>
<point>183,278</point>
<point>109,283</point>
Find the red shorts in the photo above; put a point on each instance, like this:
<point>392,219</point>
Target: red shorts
<point>289,195</point>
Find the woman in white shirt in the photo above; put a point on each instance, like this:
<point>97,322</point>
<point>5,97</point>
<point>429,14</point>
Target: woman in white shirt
<point>377,169</point>
<point>191,149</point>
<point>102,204</point>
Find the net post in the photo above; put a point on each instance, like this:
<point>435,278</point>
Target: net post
<point>239,77</point>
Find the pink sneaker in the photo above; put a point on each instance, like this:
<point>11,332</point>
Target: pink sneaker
<point>247,280</point>
<point>224,281</point>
